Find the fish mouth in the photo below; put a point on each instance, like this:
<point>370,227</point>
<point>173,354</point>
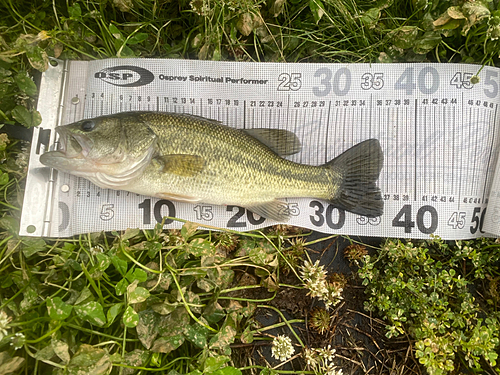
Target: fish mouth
<point>71,152</point>
<point>72,146</point>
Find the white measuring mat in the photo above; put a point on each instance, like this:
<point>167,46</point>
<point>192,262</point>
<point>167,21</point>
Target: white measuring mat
<point>439,133</point>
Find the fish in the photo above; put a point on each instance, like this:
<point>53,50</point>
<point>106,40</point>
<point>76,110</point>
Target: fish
<point>193,159</point>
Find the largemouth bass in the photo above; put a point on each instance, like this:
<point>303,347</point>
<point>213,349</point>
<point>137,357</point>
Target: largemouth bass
<point>193,159</point>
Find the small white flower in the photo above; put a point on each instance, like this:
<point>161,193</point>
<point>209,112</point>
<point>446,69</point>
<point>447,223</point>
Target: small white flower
<point>282,348</point>
<point>310,356</point>
<point>4,324</point>
<point>96,250</point>
<point>332,370</point>
<point>18,340</point>
<point>314,277</point>
<point>327,354</point>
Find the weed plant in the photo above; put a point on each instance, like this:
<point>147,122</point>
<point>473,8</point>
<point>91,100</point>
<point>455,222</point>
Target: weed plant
<point>151,300</point>
<point>445,297</point>
<point>241,30</point>
<point>171,302</point>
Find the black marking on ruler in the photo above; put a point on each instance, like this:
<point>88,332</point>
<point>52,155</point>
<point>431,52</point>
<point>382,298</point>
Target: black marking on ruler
<point>157,104</point>
<point>405,116</point>
<point>388,121</point>
<point>318,138</point>
<point>244,114</point>
<point>453,152</point>
<point>424,153</point>
<point>434,152</point>
<point>303,131</point>
<point>370,116</point>
<point>270,121</point>
<point>397,142</point>
<point>327,130</point>
<point>491,152</point>
<point>295,130</point>
<point>415,156</point>
<point>470,154</point>
<point>460,163</point>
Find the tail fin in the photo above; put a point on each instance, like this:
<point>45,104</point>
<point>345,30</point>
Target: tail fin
<point>359,168</point>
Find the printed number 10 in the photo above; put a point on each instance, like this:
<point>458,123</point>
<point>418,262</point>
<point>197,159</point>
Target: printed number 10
<point>146,206</point>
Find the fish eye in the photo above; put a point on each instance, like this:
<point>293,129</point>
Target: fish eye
<point>87,125</point>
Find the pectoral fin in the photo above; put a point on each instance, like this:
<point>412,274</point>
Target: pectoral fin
<point>281,141</point>
<point>274,210</point>
<point>180,164</point>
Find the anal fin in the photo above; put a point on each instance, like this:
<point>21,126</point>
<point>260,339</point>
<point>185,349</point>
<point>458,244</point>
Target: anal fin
<point>275,210</point>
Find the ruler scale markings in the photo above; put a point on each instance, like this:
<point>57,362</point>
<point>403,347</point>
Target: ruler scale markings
<point>388,121</point>
<point>425,156</point>
<point>486,115</point>
<point>405,136</point>
<point>453,154</point>
<point>460,170</point>
<point>493,134</point>
<point>397,121</point>
<point>370,111</point>
<point>473,155</point>
<point>415,153</point>
<point>327,131</point>
<point>435,166</point>
<point>244,114</point>
<point>460,163</point>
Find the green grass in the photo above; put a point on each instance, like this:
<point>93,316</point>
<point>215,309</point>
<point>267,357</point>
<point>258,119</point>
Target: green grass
<point>184,301</point>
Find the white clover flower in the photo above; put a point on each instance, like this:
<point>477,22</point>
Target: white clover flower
<point>314,277</point>
<point>18,340</point>
<point>310,356</point>
<point>4,324</point>
<point>332,370</point>
<point>282,348</point>
<point>327,354</point>
<point>96,250</point>
<point>313,271</point>
<point>320,361</point>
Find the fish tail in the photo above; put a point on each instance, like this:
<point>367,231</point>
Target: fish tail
<point>359,168</point>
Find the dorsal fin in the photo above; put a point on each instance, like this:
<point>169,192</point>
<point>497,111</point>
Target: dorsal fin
<point>281,141</point>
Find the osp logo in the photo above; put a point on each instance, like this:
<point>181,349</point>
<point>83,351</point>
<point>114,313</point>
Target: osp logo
<point>125,76</point>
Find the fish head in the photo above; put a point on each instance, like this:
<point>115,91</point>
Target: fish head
<point>114,145</point>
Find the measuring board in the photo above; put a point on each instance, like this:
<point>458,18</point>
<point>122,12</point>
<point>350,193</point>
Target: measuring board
<point>437,125</point>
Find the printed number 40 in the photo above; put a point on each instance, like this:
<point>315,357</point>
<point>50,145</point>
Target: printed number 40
<point>404,219</point>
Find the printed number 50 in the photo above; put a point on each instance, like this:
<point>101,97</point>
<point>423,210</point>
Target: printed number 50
<point>478,221</point>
